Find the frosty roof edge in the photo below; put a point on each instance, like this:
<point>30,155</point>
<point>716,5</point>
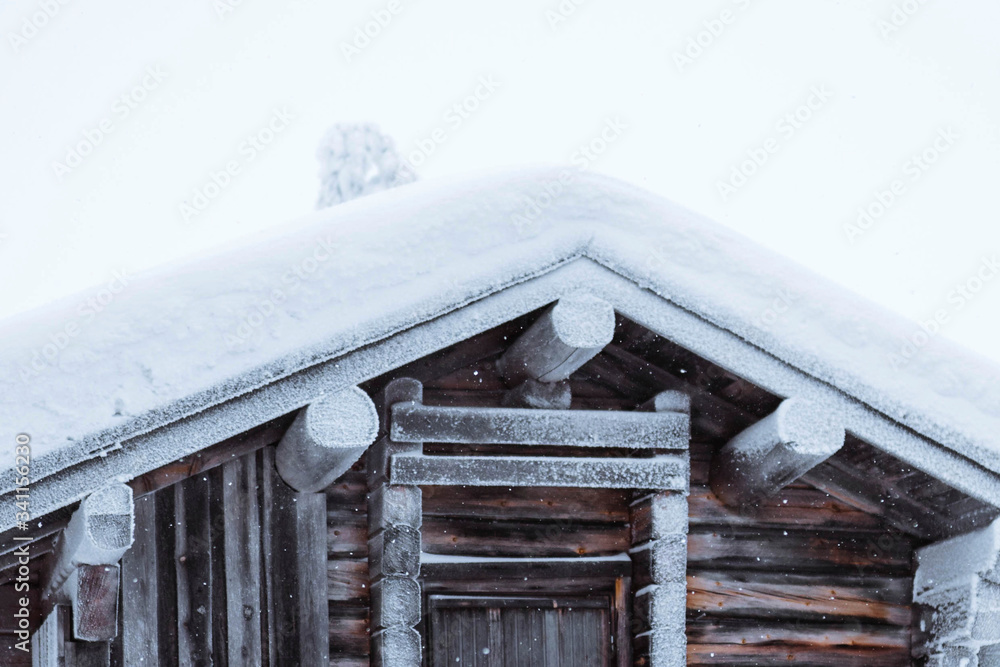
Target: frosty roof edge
<point>179,340</point>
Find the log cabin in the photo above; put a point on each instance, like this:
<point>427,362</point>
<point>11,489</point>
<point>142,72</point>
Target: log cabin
<point>537,418</point>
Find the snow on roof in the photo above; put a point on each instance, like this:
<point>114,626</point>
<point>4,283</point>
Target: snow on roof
<point>174,341</point>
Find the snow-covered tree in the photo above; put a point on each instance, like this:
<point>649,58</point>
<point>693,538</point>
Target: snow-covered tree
<point>356,159</point>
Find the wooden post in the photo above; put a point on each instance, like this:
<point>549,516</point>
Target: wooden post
<point>775,451</point>
<point>85,573</point>
<point>394,545</point>
<point>326,438</point>
<point>565,337</point>
<point>659,524</point>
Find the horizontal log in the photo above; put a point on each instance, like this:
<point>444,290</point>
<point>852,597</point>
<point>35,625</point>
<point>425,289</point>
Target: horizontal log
<point>347,580</point>
<point>778,449</point>
<point>732,655</point>
<point>414,422</point>
<point>563,576</point>
<point>756,633</point>
<point>594,397</point>
<point>347,534</point>
<point>528,539</point>
<point>542,503</point>
<point>775,596</point>
<point>349,493</point>
<point>792,508</point>
<point>349,637</point>
<point>664,472</point>
<point>561,340</point>
<point>799,551</point>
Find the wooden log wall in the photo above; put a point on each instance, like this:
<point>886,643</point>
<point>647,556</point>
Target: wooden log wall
<point>808,579</point>
<point>348,586</point>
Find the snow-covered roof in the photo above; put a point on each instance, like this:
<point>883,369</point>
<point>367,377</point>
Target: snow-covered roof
<point>178,340</point>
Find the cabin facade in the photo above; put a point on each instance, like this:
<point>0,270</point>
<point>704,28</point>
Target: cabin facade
<point>610,435</point>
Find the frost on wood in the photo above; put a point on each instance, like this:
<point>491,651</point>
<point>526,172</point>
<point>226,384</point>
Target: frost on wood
<point>778,449</point>
<point>668,471</point>
<point>413,422</point>
<point>564,338</point>
<point>395,514</point>
<point>668,401</point>
<point>100,531</point>
<point>396,647</point>
<point>659,568</point>
<point>326,438</point>
<point>395,602</point>
<point>357,160</point>
<point>85,572</point>
<point>957,591</point>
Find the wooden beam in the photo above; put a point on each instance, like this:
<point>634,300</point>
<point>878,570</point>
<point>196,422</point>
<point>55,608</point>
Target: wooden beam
<point>539,395</point>
<point>666,472</point>
<point>775,451</point>
<point>326,439</point>
<point>565,337</point>
<point>85,572</point>
<point>413,422</point>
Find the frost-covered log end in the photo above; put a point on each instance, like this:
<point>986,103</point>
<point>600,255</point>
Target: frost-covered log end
<point>326,438</point>
<point>775,451</point>
<point>563,339</point>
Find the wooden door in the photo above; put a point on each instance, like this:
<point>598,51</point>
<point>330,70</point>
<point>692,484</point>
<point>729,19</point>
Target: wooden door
<point>467,631</point>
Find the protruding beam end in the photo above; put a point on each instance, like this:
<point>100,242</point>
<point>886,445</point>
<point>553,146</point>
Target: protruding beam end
<point>563,339</point>
<point>325,440</point>
<point>775,451</point>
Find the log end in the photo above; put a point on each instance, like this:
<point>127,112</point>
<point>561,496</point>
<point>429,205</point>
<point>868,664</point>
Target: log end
<point>584,321</point>
<point>809,428</point>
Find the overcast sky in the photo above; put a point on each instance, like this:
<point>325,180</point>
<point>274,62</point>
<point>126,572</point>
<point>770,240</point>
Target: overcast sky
<point>778,118</point>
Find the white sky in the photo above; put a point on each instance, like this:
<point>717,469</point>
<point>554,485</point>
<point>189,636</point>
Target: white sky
<point>686,129</point>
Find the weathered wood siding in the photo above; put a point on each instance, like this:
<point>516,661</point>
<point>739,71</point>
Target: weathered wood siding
<point>214,575</point>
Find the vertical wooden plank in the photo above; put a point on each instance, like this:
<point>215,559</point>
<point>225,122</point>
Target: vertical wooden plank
<point>266,475</point>
<point>621,622</point>
<point>166,575</point>
<point>495,643</point>
<point>220,625</point>
<point>139,617</point>
<point>551,638</point>
<point>47,642</point>
<point>193,553</point>
<point>314,616</point>
<point>242,561</point>
<point>280,562</point>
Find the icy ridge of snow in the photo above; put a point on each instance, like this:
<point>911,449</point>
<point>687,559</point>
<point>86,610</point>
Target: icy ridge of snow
<point>182,338</point>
